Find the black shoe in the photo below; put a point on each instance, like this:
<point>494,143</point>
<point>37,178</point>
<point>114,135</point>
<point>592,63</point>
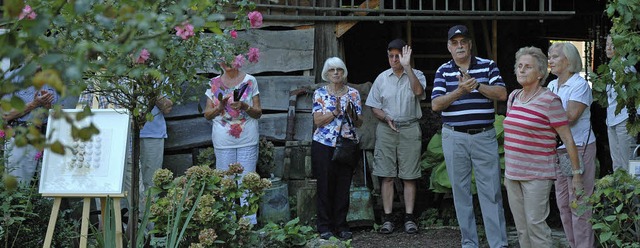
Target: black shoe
<point>326,235</point>
<point>345,235</point>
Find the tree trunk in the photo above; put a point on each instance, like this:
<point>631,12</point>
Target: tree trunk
<point>135,185</point>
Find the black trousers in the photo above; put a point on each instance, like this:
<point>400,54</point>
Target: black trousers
<point>333,184</point>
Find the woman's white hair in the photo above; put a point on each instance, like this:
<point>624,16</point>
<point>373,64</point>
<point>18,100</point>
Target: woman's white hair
<point>571,53</point>
<point>334,62</point>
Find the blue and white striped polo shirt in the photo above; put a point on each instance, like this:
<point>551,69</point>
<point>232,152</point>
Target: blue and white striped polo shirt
<point>474,109</point>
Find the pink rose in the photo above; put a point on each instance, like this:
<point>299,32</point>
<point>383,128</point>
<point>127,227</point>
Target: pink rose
<point>144,55</point>
<point>28,12</point>
<point>253,54</point>
<point>234,34</point>
<point>185,30</point>
<point>255,18</point>
<point>238,62</point>
<point>2,134</point>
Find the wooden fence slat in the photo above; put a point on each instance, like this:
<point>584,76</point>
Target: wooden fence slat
<point>274,92</point>
<point>196,132</point>
<point>294,52</point>
<point>274,95</point>
<point>187,134</point>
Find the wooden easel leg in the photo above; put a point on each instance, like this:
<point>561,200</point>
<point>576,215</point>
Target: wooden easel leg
<point>116,209</point>
<point>84,227</point>
<point>103,208</point>
<point>52,222</point>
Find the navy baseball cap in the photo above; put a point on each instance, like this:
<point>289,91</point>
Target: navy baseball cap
<point>458,30</point>
<point>396,44</point>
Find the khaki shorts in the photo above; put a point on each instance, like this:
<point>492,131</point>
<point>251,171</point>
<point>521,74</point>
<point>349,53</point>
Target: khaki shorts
<point>397,154</point>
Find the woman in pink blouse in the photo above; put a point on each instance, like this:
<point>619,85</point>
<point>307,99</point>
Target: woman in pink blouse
<point>534,117</point>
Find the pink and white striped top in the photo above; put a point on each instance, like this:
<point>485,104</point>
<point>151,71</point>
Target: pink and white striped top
<point>530,137</point>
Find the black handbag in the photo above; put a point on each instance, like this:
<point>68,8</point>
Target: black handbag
<point>347,150</point>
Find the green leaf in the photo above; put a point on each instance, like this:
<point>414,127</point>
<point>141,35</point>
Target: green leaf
<point>57,147</point>
<point>619,208</point>
<point>605,236</point>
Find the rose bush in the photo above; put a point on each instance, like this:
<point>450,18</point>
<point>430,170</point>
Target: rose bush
<point>131,51</point>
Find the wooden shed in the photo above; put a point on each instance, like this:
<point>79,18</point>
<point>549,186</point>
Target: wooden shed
<point>298,35</point>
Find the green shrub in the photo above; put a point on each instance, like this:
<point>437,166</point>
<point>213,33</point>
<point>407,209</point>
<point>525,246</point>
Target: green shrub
<point>616,219</point>
<point>25,218</point>
<point>202,208</point>
<point>292,234</point>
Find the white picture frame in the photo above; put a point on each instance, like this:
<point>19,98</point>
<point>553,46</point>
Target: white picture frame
<point>91,168</point>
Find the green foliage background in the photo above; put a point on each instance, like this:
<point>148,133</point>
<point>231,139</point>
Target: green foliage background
<point>433,165</point>
<point>625,16</point>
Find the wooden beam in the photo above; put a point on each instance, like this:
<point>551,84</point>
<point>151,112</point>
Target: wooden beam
<point>343,27</point>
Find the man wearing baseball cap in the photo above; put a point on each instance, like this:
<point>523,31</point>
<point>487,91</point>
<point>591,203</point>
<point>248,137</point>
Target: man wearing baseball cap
<point>395,100</point>
<point>464,90</point>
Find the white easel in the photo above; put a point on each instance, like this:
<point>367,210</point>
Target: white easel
<point>84,227</point>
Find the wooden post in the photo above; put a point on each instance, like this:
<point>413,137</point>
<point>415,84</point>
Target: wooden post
<point>325,42</point>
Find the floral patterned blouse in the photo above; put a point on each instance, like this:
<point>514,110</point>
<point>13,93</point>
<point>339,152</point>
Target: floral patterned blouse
<point>234,128</point>
<point>323,102</point>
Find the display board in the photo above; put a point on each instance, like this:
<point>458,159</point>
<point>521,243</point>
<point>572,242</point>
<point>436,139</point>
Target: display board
<point>88,168</point>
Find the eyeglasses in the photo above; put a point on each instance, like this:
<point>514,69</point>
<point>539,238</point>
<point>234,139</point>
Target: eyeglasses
<point>394,56</point>
<point>335,70</point>
<point>463,42</point>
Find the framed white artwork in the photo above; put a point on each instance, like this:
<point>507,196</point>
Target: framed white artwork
<point>87,168</point>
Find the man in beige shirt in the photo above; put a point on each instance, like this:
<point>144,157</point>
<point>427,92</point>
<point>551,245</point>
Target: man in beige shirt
<point>395,100</point>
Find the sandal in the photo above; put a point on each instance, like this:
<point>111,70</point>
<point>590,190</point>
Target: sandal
<point>410,227</point>
<point>387,227</point>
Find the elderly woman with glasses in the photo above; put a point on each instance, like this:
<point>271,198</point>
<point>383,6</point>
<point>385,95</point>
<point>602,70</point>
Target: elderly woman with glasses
<point>534,117</point>
<point>336,112</point>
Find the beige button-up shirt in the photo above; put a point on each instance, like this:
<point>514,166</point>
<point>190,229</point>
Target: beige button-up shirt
<point>394,95</point>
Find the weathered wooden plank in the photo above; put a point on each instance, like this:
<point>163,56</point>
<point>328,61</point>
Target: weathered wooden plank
<point>275,125</point>
<point>275,90</point>
<point>187,134</point>
<point>294,52</point>
<point>274,95</point>
<point>196,132</point>
<point>177,163</point>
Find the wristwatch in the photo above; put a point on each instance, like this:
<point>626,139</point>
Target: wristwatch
<point>578,171</point>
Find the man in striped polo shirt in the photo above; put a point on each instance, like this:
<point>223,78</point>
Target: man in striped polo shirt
<point>464,90</point>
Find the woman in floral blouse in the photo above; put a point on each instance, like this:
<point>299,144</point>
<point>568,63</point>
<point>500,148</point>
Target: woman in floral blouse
<point>330,107</point>
<point>234,106</point>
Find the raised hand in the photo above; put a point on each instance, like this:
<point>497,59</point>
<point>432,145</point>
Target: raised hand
<point>405,57</point>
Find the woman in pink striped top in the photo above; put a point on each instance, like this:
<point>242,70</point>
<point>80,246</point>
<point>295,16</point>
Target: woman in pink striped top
<point>534,117</point>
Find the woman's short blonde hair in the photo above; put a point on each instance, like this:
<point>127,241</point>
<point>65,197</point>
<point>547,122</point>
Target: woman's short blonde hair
<point>571,53</point>
<point>334,62</point>
<point>540,58</point>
